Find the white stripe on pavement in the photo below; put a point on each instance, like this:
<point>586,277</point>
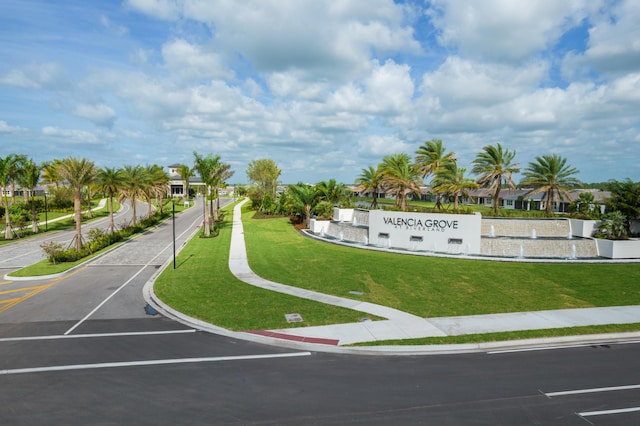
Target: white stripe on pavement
<point>80,336</point>
<point>149,362</point>
<point>592,390</point>
<point>603,412</point>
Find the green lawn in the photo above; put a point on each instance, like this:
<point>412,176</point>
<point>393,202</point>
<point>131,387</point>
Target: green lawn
<point>431,286</point>
<point>203,287</point>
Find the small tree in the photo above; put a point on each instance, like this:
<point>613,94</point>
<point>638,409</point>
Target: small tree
<point>613,227</point>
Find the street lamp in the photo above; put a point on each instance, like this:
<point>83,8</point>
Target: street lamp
<point>173,203</point>
<point>46,218</point>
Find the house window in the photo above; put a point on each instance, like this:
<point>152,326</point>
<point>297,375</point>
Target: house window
<point>509,203</point>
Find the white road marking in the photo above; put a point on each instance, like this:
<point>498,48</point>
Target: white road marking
<point>604,412</point>
<point>150,362</point>
<point>150,263</point>
<point>568,346</point>
<point>592,390</point>
<point>83,336</point>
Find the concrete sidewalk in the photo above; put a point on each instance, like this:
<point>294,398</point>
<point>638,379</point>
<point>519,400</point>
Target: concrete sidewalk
<point>402,325</point>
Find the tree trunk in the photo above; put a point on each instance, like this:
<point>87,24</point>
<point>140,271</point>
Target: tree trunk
<point>34,217</point>
<point>77,207</point>
<point>112,225</point>
<point>8,232</point>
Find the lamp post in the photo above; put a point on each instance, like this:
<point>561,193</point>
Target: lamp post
<point>46,218</point>
<point>173,203</point>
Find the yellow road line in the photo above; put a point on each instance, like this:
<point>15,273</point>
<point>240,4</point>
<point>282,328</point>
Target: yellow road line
<point>17,290</point>
<point>5,282</point>
<point>9,300</point>
<point>38,289</point>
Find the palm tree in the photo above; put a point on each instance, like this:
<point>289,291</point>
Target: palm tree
<point>400,177</point>
<point>625,197</point>
<point>50,173</point>
<point>158,182</point>
<point>29,179</point>
<point>78,173</point>
<point>134,184</point>
<point>451,179</point>
<point>304,197</point>
<point>370,179</point>
<point>185,173</point>
<point>430,159</point>
<point>495,167</point>
<point>550,174</point>
<point>14,170</point>
<point>206,166</point>
<point>4,184</point>
<point>110,181</point>
<point>221,173</point>
<point>333,192</point>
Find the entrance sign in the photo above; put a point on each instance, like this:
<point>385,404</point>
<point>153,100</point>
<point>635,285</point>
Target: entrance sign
<point>449,233</point>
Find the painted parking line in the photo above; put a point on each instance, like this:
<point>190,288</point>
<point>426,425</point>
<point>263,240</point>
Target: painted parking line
<point>150,362</point>
<point>592,390</point>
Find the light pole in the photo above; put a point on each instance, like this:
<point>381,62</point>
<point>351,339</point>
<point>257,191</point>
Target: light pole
<point>173,204</point>
<point>46,219</point>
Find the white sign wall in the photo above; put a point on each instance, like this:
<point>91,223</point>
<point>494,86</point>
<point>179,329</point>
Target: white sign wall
<point>449,233</point>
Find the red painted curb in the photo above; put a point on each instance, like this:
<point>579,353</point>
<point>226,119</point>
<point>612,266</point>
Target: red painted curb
<point>316,340</point>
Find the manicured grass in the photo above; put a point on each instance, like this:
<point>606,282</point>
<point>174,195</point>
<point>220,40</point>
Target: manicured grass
<point>430,286</point>
<point>203,287</point>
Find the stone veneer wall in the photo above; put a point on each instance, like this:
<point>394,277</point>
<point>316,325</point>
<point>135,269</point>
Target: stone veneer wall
<point>527,247</point>
<point>525,227</point>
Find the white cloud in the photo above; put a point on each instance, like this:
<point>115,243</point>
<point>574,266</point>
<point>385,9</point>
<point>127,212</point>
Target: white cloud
<point>70,136</point>
<point>192,62</point>
<point>35,76</point>
<point>465,82</point>
<point>504,30</point>
<point>384,145</point>
<point>614,40</point>
<point>100,114</point>
<point>119,30</point>
<point>6,128</point>
<point>162,9</point>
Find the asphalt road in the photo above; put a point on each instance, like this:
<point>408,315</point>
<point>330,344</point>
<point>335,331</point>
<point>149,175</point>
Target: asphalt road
<point>82,350</point>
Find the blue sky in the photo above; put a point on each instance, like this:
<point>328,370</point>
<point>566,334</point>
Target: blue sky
<point>324,88</point>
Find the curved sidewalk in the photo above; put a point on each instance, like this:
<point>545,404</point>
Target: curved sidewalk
<point>401,325</point>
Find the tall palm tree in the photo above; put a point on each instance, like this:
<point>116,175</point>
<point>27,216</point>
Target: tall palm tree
<point>29,179</point>
<point>221,172</point>
<point>14,169</point>
<point>110,180</point>
<point>4,185</point>
<point>78,173</point>
<point>135,182</point>
<point>451,179</point>
<point>495,166</point>
<point>304,197</point>
<point>551,175</point>
<point>430,159</point>
<point>50,173</point>
<point>206,166</point>
<point>370,179</point>
<point>185,173</point>
<point>400,176</point>
<point>159,182</point>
